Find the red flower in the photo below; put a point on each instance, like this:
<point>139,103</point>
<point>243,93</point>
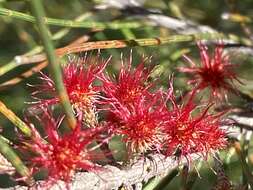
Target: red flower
<point>141,125</point>
<point>79,82</point>
<point>131,85</point>
<point>190,129</point>
<point>61,155</point>
<point>132,108</point>
<point>215,72</point>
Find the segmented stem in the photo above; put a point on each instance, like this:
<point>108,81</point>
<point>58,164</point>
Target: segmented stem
<point>54,65</point>
<point>15,120</point>
<point>56,36</point>
<point>70,23</point>
<point>16,162</point>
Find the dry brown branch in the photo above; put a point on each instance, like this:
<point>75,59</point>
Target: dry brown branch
<point>112,178</point>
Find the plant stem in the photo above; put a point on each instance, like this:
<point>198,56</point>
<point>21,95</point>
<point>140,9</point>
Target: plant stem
<point>235,17</point>
<point>16,162</point>
<point>55,67</point>
<point>15,120</point>
<point>137,42</point>
<point>57,36</point>
<point>70,23</point>
<point>166,180</point>
<point>110,44</point>
<point>244,165</point>
<point>8,67</point>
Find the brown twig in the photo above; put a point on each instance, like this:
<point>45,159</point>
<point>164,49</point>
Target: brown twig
<point>112,178</point>
<point>109,44</point>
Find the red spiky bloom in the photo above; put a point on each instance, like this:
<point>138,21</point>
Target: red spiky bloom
<point>61,155</point>
<point>79,80</point>
<point>191,129</point>
<point>130,86</point>
<point>130,108</point>
<point>215,72</point>
<point>140,125</point>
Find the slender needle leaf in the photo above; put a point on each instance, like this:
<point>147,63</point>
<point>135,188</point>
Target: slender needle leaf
<point>16,162</point>
<point>70,23</point>
<point>54,65</point>
<point>15,120</point>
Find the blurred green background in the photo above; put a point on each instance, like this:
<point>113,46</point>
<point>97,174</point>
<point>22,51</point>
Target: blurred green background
<point>18,37</point>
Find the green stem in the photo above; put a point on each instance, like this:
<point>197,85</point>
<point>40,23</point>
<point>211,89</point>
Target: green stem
<point>166,180</point>
<point>113,44</point>
<point>235,17</point>
<point>15,120</point>
<point>16,162</point>
<point>244,165</point>
<point>57,36</point>
<point>54,65</point>
<point>109,44</point>
<point>69,23</point>
<point>8,67</point>
<point>184,177</point>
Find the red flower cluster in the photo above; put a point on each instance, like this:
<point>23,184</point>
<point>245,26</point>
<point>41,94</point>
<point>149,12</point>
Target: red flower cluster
<point>131,111</point>
<point>148,120</point>
<point>130,87</point>
<point>215,72</point>
<point>61,155</point>
<point>141,125</point>
<point>79,79</point>
<point>190,132</point>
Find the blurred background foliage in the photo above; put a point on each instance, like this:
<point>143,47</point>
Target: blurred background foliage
<point>18,37</point>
